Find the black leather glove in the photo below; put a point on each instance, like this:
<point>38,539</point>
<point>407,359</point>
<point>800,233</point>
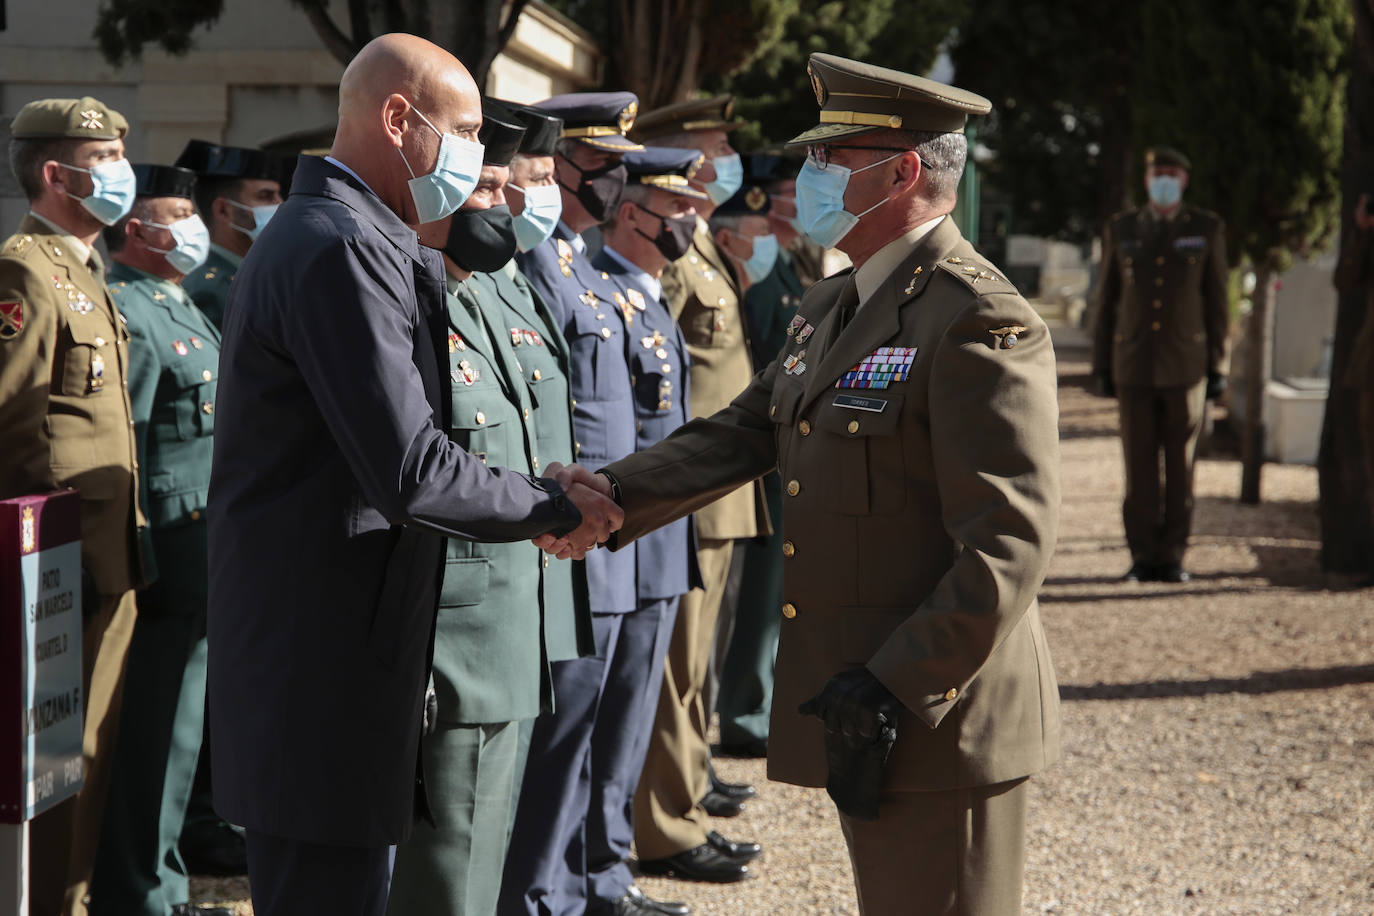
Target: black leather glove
<point>860,717</point>
<point>429,718</point>
<point>1216,385</point>
<point>1105,386</point>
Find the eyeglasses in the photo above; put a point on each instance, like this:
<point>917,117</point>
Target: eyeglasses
<point>818,154</point>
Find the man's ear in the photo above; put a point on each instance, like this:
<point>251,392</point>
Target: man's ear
<point>221,210</point>
<point>721,236</point>
<point>395,108</point>
<point>909,170</point>
<point>54,176</point>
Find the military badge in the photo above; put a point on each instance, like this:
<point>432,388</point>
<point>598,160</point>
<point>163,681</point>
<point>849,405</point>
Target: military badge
<point>805,333</point>
<point>517,337</point>
<point>28,531</point>
<point>880,368</point>
<point>911,287</point>
<point>817,86</point>
<point>589,299</point>
<point>626,119</point>
<point>795,325</point>
<point>755,199</point>
<point>466,373</point>
<point>196,342</point>
<point>661,353</point>
<point>636,299</point>
<point>625,308</point>
<point>92,119</point>
<point>180,348</point>
<point>11,318</point>
<point>720,323</point>
<point>565,251</point>
<point>97,380</point>
<point>531,339</point>
<point>1007,337</point>
<point>455,343</point>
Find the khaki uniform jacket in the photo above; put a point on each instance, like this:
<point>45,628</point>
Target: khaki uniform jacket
<point>705,301</point>
<point>64,402</point>
<point>1162,313</point>
<point>918,523</point>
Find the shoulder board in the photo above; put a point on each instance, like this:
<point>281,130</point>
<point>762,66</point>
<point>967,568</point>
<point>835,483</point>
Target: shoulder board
<point>18,244</point>
<point>976,275</point>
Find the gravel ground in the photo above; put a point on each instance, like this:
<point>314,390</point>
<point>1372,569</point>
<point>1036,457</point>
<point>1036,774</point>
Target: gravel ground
<point>1219,735</point>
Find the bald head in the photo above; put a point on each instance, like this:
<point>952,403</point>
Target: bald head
<point>397,98</point>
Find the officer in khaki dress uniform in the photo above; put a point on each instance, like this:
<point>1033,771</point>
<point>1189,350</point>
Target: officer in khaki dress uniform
<point>239,189</point>
<point>65,422</point>
<point>913,418</point>
<point>671,823</point>
<point>1160,347</point>
<point>174,368</point>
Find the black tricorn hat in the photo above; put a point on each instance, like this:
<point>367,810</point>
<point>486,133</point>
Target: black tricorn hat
<point>501,133</point>
<point>542,129</point>
<point>164,181</point>
<point>213,160</point>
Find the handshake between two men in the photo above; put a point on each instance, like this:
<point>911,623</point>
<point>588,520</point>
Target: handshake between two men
<point>593,496</point>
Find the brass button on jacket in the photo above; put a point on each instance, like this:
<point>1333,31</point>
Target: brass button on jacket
<point>804,427</point>
<point>793,488</point>
<point>789,610</point>
<point>788,548</point>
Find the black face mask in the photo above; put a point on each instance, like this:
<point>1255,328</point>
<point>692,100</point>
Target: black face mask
<point>599,190</point>
<point>481,240</point>
<point>674,236</point>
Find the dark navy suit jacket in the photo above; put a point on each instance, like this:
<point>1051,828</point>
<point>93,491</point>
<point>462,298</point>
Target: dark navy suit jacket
<point>332,488</point>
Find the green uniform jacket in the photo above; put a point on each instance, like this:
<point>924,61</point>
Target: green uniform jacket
<point>1162,314</point>
<point>771,303</point>
<point>174,372</point>
<point>65,419</point>
<point>543,357</point>
<point>208,284</point>
<point>704,299</point>
<point>490,664</point>
<point>919,518</point>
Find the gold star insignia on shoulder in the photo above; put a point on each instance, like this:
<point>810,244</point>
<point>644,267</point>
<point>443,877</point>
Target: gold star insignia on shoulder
<point>955,260</point>
<point>1007,337</point>
<point>21,245</point>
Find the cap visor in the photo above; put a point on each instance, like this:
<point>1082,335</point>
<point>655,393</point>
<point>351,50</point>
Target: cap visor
<point>822,133</point>
<point>691,193</point>
<point>615,143</point>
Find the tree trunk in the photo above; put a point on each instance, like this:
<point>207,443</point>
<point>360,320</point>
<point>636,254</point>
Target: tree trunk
<point>1344,502</point>
<point>1258,368</point>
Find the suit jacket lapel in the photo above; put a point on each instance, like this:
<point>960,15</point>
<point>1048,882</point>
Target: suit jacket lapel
<point>879,319</point>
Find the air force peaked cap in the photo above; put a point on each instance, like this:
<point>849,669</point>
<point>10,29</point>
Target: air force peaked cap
<point>665,168</point>
<point>599,119</point>
<point>856,98</point>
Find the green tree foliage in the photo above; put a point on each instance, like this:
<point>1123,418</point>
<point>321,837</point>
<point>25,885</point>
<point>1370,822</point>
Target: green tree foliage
<point>475,31</point>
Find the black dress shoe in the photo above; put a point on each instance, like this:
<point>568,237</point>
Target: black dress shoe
<point>634,902</point>
<point>748,750</point>
<point>1139,572</point>
<point>719,805</point>
<point>736,790</point>
<point>701,863</point>
<point>215,849</point>
<point>743,852</point>
<point>1173,572</point>
<point>188,909</point>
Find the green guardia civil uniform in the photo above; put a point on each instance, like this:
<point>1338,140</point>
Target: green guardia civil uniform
<point>208,284</point>
<point>491,665</point>
<point>174,360</point>
<point>914,420</point>
<point>65,421</point>
<point>746,678</point>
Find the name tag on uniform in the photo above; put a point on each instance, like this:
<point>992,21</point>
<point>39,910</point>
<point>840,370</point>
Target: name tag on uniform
<point>854,402</point>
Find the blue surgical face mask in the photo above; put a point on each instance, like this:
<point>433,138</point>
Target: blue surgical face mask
<point>1165,190</point>
<point>191,243</point>
<point>729,177</point>
<point>820,201</point>
<point>113,189</point>
<point>543,209</point>
<point>261,216</point>
<point>456,173</point>
<point>760,263</point>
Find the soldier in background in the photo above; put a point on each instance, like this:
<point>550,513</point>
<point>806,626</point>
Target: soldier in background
<point>1160,348</point>
<point>238,191</point>
<point>676,792</point>
<point>174,368</point>
<point>65,421</point>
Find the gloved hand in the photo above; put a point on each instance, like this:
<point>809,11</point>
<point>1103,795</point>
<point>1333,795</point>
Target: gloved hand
<point>429,718</point>
<point>1216,385</point>
<point>1105,386</point>
<point>860,717</point>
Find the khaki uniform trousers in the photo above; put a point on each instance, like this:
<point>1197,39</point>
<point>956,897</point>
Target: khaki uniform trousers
<point>1155,421</point>
<point>62,840</point>
<point>960,852</point>
<point>668,818</point>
